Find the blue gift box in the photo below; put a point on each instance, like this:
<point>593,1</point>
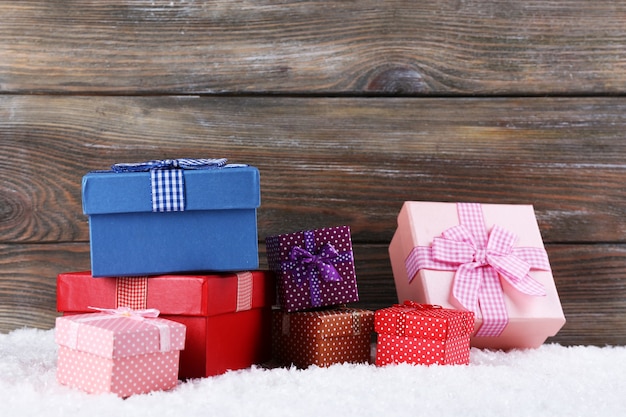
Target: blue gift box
<point>215,231</point>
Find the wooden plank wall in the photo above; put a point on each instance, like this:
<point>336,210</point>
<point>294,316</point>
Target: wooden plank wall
<point>347,108</point>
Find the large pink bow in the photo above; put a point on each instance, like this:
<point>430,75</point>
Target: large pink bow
<point>480,259</point>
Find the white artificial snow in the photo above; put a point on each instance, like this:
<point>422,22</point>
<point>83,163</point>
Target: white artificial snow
<point>552,380</point>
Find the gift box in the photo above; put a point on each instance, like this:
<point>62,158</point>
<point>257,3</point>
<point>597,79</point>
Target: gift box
<point>422,334</point>
<point>315,268</point>
<point>322,337</point>
<point>118,351</point>
<point>172,216</point>
<point>485,258</point>
<point>228,315</point>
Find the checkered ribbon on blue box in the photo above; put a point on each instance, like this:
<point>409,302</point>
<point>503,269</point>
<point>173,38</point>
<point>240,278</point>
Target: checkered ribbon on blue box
<point>167,179</point>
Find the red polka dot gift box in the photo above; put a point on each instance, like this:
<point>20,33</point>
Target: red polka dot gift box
<point>315,268</point>
<point>322,337</point>
<point>119,351</point>
<point>228,315</point>
<point>485,258</point>
<point>423,335</point>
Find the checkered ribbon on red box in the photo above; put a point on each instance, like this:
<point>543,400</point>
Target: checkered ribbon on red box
<point>167,179</point>
<point>132,292</point>
<point>480,258</point>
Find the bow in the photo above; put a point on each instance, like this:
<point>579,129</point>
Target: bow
<point>166,179</point>
<point>308,263</point>
<point>304,265</point>
<point>480,259</point>
<point>457,247</point>
<point>181,163</point>
<point>129,312</point>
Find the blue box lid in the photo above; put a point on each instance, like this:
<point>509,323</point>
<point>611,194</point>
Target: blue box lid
<point>224,188</point>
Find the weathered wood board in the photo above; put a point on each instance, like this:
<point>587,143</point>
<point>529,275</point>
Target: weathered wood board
<point>347,109</point>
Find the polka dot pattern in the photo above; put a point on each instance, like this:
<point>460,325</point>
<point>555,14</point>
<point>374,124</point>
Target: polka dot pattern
<point>294,292</point>
<point>322,337</point>
<point>423,336</point>
<point>105,353</point>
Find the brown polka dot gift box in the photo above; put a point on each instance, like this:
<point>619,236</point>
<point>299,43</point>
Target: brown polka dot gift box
<point>423,335</point>
<point>314,268</point>
<point>322,337</point>
<point>228,315</point>
<point>121,351</point>
<point>485,258</point>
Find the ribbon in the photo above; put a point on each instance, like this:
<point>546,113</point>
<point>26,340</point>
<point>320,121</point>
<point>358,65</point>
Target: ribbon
<point>138,315</point>
<point>114,313</point>
<point>245,281</point>
<point>480,258</point>
<point>167,180</point>
<point>131,292</point>
<point>307,265</point>
<point>170,164</point>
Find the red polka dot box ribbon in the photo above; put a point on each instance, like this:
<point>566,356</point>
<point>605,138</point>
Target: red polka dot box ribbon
<point>122,351</point>
<point>315,268</point>
<point>423,334</point>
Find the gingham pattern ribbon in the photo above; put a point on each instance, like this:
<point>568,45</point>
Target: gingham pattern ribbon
<point>480,259</point>
<point>131,292</point>
<point>307,265</point>
<point>167,179</point>
<point>245,290</point>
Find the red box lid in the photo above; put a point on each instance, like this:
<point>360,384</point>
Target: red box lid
<point>423,321</point>
<point>185,295</point>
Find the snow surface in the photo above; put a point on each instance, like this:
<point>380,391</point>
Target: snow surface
<point>550,381</point>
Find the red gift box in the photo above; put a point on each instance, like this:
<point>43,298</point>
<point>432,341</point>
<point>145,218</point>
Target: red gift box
<point>121,352</point>
<point>322,337</point>
<point>423,334</point>
<point>228,316</point>
<point>315,268</point>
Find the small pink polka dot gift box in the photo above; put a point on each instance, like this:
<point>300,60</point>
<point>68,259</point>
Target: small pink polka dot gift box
<point>423,335</point>
<point>315,268</point>
<point>322,337</point>
<point>121,351</point>
<point>485,258</point>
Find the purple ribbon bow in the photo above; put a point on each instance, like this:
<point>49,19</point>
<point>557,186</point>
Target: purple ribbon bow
<point>307,262</point>
<point>306,265</point>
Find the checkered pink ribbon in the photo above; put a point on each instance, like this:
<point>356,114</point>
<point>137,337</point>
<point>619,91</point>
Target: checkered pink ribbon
<point>480,259</point>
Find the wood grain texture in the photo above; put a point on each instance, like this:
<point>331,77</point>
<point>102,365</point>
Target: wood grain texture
<point>432,47</point>
<point>326,161</point>
<point>347,108</point>
<point>588,278</point>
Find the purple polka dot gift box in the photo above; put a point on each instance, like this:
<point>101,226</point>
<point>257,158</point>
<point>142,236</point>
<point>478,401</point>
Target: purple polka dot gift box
<point>121,351</point>
<point>314,268</point>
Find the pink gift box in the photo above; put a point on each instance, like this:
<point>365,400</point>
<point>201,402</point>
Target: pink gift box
<point>104,352</point>
<point>314,268</point>
<point>469,256</point>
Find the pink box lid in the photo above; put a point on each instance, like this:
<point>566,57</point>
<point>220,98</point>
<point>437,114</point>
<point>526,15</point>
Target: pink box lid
<point>114,336</point>
<point>425,322</point>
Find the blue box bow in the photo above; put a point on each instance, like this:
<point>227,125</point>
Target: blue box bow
<point>167,179</point>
